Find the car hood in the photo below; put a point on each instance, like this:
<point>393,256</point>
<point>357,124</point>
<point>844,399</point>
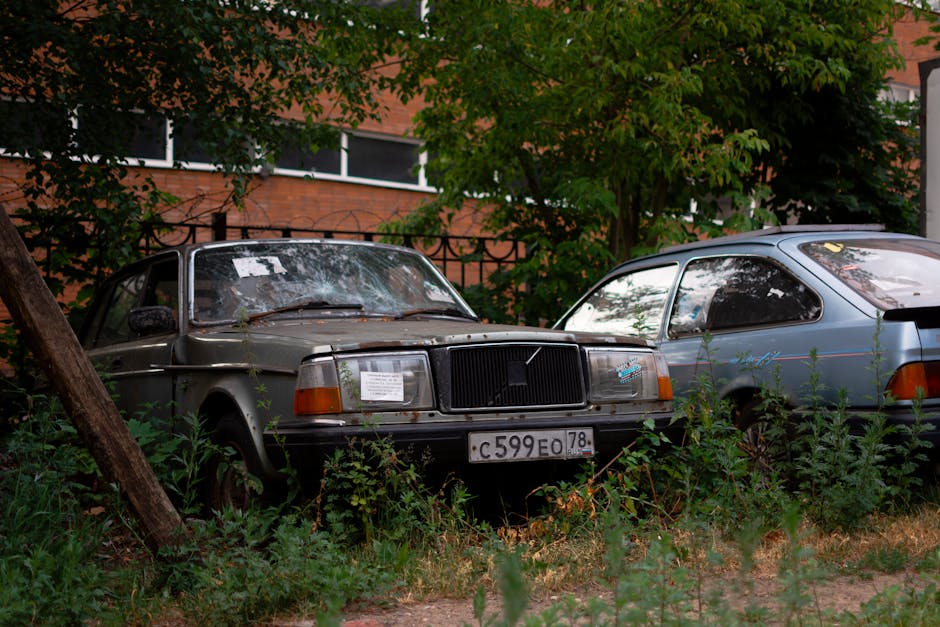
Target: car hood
<point>320,335</point>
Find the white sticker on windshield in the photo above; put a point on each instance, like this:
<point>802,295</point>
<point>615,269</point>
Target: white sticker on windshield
<point>382,386</point>
<point>436,294</point>
<point>258,266</point>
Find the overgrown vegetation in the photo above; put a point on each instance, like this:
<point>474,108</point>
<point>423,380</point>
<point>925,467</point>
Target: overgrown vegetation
<point>585,135</point>
<point>92,77</point>
<point>651,533</point>
<point>586,130</point>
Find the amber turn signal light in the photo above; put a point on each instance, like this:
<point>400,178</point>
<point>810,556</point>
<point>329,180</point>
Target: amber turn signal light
<point>317,401</point>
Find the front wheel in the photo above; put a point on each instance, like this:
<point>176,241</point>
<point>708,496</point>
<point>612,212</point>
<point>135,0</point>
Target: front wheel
<point>232,475</point>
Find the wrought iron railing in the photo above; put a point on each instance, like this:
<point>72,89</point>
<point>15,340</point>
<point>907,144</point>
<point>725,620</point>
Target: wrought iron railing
<point>465,260</point>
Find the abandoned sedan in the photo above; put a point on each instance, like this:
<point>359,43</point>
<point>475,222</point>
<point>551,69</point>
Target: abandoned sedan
<point>838,316</point>
<point>286,349</point>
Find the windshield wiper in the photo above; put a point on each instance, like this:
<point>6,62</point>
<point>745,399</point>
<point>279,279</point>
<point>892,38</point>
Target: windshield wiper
<point>437,311</point>
<point>304,304</point>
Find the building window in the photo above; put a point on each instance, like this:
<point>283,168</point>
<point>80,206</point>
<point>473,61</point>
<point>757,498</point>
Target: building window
<point>27,128</point>
<point>153,141</point>
<point>298,158</point>
<point>189,144</point>
<point>150,138</point>
<point>420,7</point>
<point>381,159</point>
<point>896,92</point>
<point>126,134</point>
<point>373,158</point>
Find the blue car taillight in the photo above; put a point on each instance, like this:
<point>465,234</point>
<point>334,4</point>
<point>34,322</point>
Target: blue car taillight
<point>909,378</point>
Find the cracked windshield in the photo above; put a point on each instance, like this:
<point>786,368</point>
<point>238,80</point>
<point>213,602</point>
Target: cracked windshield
<point>238,281</point>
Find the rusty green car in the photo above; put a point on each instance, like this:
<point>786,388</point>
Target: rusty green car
<point>286,349</point>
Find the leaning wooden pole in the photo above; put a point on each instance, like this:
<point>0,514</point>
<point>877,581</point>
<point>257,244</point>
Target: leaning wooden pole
<point>48,334</point>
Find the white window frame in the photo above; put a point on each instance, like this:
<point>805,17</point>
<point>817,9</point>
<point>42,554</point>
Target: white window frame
<point>343,177</point>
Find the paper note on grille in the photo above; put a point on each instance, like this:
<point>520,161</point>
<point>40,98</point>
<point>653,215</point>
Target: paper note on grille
<point>382,386</point>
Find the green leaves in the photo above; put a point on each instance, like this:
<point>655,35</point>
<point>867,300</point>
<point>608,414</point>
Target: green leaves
<point>231,70</point>
<point>530,103</point>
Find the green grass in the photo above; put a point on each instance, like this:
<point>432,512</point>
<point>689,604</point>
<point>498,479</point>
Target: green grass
<point>651,535</point>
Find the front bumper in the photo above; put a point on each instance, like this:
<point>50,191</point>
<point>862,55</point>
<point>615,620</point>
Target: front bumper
<point>447,442</point>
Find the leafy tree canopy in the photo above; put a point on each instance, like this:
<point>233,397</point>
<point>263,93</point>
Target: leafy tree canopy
<point>91,70</point>
<point>586,128</point>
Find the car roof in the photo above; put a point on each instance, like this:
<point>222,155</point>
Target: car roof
<point>767,236</point>
<point>187,249</point>
<point>773,234</point>
<point>293,240</point>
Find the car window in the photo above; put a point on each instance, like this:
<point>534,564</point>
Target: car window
<point>630,304</point>
<point>231,281</point>
<point>720,293</point>
<point>126,295</point>
<point>163,285</point>
<point>157,286</point>
<point>889,273</point>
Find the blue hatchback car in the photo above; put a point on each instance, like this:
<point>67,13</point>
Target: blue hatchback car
<point>750,310</point>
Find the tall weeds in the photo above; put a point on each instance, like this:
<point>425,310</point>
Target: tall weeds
<point>652,529</point>
<point>50,530</point>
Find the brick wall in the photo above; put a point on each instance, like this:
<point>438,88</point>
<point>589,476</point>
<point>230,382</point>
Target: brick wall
<point>907,30</point>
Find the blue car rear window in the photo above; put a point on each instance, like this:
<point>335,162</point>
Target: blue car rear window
<point>889,273</point>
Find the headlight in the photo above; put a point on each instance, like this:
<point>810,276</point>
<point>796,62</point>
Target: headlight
<point>627,374</point>
<point>364,383</point>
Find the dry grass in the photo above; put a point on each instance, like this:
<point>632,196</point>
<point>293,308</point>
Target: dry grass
<point>916,534</point>
<point>558,562</point>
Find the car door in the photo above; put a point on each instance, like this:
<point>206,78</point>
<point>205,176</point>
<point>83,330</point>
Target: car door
<point>631,303</point>
<point>133,363</point>
<point>741,321</point>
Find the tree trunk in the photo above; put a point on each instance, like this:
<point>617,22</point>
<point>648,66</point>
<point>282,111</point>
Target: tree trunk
<point>46,331</point>
<point>624,225</point>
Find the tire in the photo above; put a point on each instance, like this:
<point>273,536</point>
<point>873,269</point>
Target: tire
<point>756,440</point>
<point>232,474</point>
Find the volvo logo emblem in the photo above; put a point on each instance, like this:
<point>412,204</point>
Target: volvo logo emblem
<point>516,374</point>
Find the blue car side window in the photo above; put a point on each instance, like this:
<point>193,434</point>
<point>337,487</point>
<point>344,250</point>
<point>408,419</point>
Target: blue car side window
<point>720,293</point>
<point>628,304</point>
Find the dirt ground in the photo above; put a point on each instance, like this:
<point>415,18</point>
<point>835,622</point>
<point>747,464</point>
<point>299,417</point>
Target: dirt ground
<point>843,593</point>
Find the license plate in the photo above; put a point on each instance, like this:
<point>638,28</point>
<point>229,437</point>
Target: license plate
<point>508,446</point>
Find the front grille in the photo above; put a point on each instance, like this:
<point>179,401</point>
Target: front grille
<point>502,376</point>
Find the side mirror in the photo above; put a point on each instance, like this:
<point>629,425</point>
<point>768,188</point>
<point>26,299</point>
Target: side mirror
<point>151,320</point>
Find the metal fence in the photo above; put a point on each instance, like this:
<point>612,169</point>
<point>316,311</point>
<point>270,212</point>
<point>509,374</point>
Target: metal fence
<point>465,260</point>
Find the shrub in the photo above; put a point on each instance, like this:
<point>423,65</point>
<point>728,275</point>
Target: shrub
<point>372,491</point>
<point>51,522</point>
